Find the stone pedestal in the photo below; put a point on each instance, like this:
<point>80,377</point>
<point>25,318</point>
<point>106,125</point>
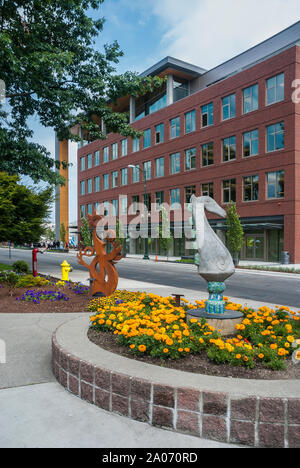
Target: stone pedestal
<point>224,322</point>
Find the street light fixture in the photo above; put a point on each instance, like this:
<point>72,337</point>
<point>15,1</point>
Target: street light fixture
<point>146,251</point>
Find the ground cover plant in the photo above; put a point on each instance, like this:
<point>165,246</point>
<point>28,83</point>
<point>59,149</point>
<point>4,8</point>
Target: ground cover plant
<point>148,324</point>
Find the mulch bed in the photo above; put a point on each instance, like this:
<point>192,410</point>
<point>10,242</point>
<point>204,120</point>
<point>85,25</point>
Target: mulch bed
<point>198,364</point>
<point>9,304</point>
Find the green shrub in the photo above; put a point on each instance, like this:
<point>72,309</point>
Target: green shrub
<point>10,279</point>
<point>20,267</point>
<point>29,281</point>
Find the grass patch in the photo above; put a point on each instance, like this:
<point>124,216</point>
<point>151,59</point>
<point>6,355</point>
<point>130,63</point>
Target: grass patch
<point>4,267</point>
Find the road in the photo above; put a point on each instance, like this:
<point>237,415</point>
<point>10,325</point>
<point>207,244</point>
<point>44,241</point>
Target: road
<point>276,288</point>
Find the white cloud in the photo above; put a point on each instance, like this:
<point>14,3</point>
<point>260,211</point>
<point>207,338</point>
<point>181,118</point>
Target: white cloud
<point>207,32</point>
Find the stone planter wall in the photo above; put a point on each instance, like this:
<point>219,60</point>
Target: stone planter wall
<point>259,421</point>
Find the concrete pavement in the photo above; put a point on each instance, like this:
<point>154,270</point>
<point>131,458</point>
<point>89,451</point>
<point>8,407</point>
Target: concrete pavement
<point>35,411</point>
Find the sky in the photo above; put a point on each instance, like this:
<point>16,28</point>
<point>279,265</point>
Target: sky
<point>203,32</point>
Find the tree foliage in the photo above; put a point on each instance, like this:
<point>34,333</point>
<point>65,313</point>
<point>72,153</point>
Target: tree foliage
<point>22,211</point>
<point>235,233</point>
<point>86,238</point>
<point>51,70</point>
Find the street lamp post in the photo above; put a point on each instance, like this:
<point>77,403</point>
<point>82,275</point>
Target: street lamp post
<point>146,249</point>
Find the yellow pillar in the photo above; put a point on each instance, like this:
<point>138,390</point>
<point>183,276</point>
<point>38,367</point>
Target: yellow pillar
<point>64,190</point>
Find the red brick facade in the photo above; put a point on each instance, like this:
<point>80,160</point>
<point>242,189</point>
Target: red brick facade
<point>287,159</point>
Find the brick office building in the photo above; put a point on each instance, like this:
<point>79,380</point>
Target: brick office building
<point>232,132</point>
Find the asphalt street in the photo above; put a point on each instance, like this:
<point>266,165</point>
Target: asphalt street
<point>281,288</point>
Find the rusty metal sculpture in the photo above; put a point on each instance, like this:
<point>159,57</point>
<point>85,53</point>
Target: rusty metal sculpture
<point>103,274</point>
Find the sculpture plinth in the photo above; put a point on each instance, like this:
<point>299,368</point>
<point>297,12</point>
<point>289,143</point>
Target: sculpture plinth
<point>103,274</point>
<point>215,265</point>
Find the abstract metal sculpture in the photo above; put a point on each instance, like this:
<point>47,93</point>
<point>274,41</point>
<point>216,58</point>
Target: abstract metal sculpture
<point>103,274</point>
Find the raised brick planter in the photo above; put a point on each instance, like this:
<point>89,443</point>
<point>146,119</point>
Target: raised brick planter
<point>235,416</point>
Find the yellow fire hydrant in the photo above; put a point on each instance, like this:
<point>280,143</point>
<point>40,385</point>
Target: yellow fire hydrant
<point>65,270</point>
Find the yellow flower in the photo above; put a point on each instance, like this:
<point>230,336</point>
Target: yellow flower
<point>187,350</point>
<point>290,338</point>
<point>132,346</point>
<point>165,350</point>
<point>180,350</point>
<point>261,356</point>
<point>273,346</point>
<point>142,348</point>
<point>238,356</point>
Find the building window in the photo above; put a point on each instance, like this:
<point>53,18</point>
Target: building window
<point>188,192</point>
<point>275,184</point>
<point>89,186</point>
<point>106,154</point>
<point>159,167</point>
<point>114,179</point>
<point>229,191</point>
<point>97,158</point>
<point>250,143</point>
<point>106,208</point>
<point>97,207</point>
<point>190,121</point>
<point>250,99</point>
<point>97,184</point>
<point>229,149</point>
<point>90,208</point>
<point>114,207</point>
<point>82,187</point>
<point>124,145</point>
<point>207,115</point>
<point>159,133</point>
<point>275,89</point>
<point>207,154</point>
<point>175,127</point>
<point>89,161</point>
<point>207,190</point>
<point>136,174</point>
<point>115,151</point>
<point>147,170</point>
<point>105,181</point>
<point>159,199</point>
<point>124,205</point>
<point>250,188</point>
<point>82,163</point>
<point>228,107</point>
<point>82,211</point>
<point>175,163</point>
<point>124,176</point>
<point>135,202</point>
<point>190,159</point>
<point>175,195</point>
<point>147,138</point>
<point>135,145</point>
<point>275,137</point>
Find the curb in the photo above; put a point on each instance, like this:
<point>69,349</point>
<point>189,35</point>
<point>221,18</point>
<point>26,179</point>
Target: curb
<point>236,416</point>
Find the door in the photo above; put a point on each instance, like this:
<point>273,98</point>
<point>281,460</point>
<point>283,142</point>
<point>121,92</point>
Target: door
<point>255,247</point>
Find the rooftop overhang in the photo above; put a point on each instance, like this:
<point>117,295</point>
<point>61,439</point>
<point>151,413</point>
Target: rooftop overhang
<point>173,66</point>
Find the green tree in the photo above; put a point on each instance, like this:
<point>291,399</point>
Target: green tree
<point>23,211</point>
<point>164,232</point>
<point>62,233</point>
<point>86,238</point>
<point>120,234</point>
<point>50,234</point>
<point>235,233</point>
<point>52,71</point>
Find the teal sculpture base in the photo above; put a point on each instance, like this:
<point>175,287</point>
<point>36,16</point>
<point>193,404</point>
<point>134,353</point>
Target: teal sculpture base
<point>215,303</point>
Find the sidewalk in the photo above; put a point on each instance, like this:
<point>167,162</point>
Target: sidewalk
<point>37,412</point>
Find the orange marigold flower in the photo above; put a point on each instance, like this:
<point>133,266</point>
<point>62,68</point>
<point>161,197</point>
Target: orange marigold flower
<point>142,348</point>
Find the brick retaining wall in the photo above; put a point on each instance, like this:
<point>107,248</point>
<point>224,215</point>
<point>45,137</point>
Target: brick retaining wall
<point>249,420</point>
